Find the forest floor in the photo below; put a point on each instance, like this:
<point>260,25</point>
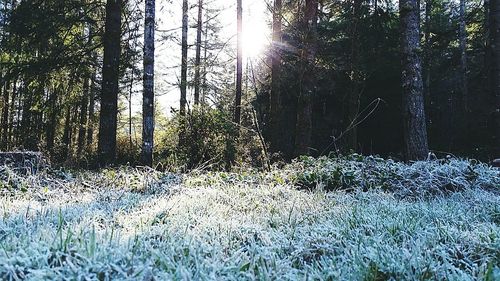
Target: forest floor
<point>354,218</point>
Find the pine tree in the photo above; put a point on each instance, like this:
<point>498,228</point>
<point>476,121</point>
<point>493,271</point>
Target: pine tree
<point>184,58</point>
<point>303,126</point>
<point>110,77</point>
<point>275,97</point>
<point>414,127</point>
<point>239,64</point>
<point>148,95</point>
<point>197,66</point>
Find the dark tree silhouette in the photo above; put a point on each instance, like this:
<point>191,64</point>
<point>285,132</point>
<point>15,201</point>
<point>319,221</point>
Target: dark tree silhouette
<point>303,127</point>
<point>197,64</point>
<point>275,97</point>
<point>110,77</point>
<point>184,58</point>
<point>148,95</point>
<point>239,63</point>
<point>414,127</point>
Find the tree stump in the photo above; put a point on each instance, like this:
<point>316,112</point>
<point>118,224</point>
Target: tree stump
<point>24,161</point>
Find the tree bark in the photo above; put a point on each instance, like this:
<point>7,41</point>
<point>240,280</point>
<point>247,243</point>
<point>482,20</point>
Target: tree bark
<point>414,127</point>
<point>427,59</point>
<point>148,96</point>
<point>129,100</point>
<point>303,126</point>
<point>197,75</point>
<point>54,111</point>
<point>66,140</point>
<point>275,97</point>
<point>110,77</point>
<point>25,130</point>
<point>2,103</point>
<point>239,63</point>
<point>12,110</point>
<point>205,62</point>
<point>19,114</point>
<point>184,58</point>
<point>5,116</point>
<point>83,116</point>
<point>91,116</point>
<point>487,37</point>
<point>463,56</point>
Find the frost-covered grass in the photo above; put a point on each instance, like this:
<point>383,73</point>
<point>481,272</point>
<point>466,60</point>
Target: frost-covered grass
<point>136,224</point>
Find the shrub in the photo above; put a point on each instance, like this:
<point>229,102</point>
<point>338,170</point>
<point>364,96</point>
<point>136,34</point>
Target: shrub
<point>203,143</point>
<point>356,172</point>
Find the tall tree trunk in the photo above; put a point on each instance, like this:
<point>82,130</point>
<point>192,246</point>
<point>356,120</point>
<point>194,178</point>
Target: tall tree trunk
<point>486,42</point>
<point>51,130</point>
<point>74,128</point>
<point>83,116</point>
<point>414,127</point>
<point>303,126</point>
<point>2,103</point>
<point>110,77</point>
<point>275,97</point>
<point>38,113</point>
<point>91,118</point>
<point>12,110</point>
<point>355,76</point>
<point>66,139</point>
<point>427,59</point>
<point>148,95</point>
<point>184,58</point>
<point>20,113</point>
<point>486,23</point>
<point>197,75</point>
<point>205,58</point>
<point>239,64</point>
<point>230,151</point>
<point>25,129</point>
<point>494,33</point>
<point>129,100</point>
<point>463,56</point>
<point>5,116</point>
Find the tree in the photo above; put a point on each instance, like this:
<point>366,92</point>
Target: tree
<point>83,115</point>
<point>462,38</point>
<point>84,103</point>
<point>91,117</point>
<point>414,127</point>
<point>303,127</point>
<point>197,65</point>
<point>5,115</point>
<point>184,58</point>
<point>355,76</point>
<point>239,63</point>
<point>427,54</point>
<point>4,93</point>
<point>274,101</point>
<point>148,95</point>
<point>110,77</point>
<point>494,33</point>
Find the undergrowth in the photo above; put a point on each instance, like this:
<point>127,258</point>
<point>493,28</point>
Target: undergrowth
<point>417,179</point>
<point>353,218</point>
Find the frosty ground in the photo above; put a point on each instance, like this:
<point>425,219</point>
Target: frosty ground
<point>353,218</point>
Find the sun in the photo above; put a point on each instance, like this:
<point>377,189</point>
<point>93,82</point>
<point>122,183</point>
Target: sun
<point>255,38</point>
